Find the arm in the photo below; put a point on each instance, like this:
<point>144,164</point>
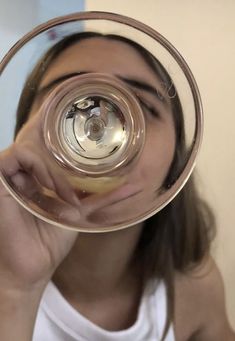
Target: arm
<point>18,312</point>
<point>30,251</point>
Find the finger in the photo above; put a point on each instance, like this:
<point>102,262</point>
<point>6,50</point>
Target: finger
<point>96,202</point>
<point>34,164</point>
<point>57,210</point>
<point>17,158</point>
<point>44,166</point>
<point>25,184</point>
<point>63,187</point>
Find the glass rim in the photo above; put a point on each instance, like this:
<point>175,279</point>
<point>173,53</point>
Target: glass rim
<point>170,193</point>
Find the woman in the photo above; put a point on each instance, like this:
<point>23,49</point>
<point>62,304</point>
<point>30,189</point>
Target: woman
<point>104,282</point>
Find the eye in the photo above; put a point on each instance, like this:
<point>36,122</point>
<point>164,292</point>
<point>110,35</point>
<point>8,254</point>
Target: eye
<point>150,108</point>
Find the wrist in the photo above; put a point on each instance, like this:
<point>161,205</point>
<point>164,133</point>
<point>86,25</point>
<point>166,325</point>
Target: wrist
<point>20,286</point>
<point>18,311</point>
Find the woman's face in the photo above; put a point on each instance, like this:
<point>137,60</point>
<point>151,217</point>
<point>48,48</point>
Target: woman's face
<point>121,60</point>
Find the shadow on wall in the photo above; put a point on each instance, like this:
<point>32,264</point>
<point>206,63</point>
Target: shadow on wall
<point>32,13</point>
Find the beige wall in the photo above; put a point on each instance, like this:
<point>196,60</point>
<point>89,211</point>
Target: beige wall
<point>204,32</point>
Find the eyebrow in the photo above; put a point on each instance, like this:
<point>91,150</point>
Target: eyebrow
<point>139,84</point>
<point>58,80</point>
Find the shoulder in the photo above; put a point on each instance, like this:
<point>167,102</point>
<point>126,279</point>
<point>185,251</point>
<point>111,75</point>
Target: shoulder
<point>200,304</point>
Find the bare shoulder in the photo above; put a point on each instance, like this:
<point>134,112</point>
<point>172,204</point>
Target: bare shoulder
<point>200,312</point>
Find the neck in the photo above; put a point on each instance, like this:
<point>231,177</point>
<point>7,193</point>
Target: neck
<point>100,265</point>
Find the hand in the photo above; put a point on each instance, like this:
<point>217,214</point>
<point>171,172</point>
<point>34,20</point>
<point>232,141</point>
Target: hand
<point>30,249</point>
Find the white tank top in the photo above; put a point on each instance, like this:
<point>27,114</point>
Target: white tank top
<point>57,320</point>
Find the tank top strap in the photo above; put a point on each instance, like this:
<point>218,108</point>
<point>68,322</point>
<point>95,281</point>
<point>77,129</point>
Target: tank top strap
<point>159,302</point>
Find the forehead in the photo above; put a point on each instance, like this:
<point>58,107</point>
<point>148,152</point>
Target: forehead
<point>101,55</point>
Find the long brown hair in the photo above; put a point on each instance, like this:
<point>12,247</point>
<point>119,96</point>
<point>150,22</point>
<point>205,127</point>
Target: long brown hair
<point>178,237</point>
